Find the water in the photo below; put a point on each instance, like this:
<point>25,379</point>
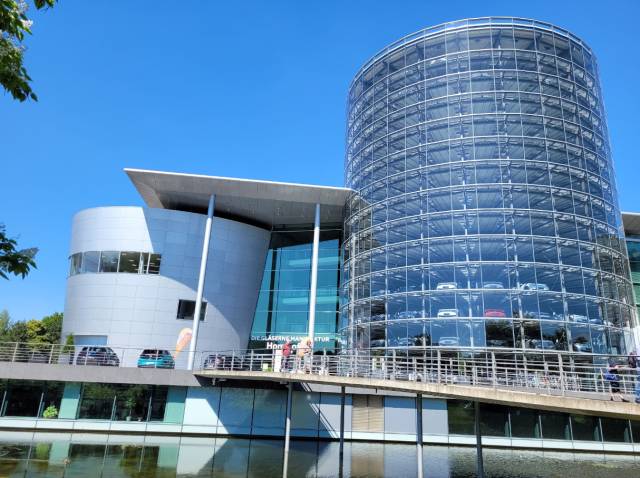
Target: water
<point>87,456</point>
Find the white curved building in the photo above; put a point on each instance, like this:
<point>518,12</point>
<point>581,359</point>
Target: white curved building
<point>134,272</point>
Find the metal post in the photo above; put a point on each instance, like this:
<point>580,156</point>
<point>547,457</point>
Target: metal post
<point>287,430</point>
<point>314,277</point>
<point>438,368</point>
<point>342,400</point>
<point>419,434</point>
<point>480,464</point>
<point>494,369</point>
<point>561,370</point>
<point>201,277</point>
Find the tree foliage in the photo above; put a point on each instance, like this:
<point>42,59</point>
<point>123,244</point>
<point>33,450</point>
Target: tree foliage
<point>13,260</point>
<point>45,331</point>
<point>14,25</point>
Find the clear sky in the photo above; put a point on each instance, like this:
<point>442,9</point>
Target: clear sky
<point>243,89</point>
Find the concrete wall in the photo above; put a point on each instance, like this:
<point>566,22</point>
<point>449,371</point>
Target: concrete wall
<point>139,310</point>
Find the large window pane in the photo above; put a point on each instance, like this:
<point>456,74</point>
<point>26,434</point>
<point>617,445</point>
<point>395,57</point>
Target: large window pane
<point>130,262</point>
<point>109,261</point>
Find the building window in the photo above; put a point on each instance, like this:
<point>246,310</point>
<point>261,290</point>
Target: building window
<point>187,308</point>
<point>130,262</point>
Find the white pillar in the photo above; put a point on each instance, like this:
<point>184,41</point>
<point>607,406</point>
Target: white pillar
<point>314,277</point>
<point>201,277</point>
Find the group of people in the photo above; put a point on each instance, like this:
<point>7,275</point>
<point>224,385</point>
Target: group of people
<point>613,377</point>
<point>301,360</point>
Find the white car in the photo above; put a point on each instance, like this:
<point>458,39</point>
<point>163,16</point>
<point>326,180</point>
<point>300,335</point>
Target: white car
<point>582,319</point>
<point>492,285</point>
<point>447,313</point>
<point>446,286</point>
<point>533,286</point>
<point>448,341</point>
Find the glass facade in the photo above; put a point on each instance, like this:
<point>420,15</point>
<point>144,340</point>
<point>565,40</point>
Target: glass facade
<point>633,248</point>
<point>282,310</point>
<point>486,210</point>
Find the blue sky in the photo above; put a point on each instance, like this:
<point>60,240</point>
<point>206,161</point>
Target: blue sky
<point>246,89</point>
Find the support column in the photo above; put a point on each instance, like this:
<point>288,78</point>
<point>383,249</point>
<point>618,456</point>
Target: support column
<point>314,277</point>
<point>480,462</point>
<point>287,431</point>
<point>201,278</point>
<point>342,400</point>
<point>419,434</point>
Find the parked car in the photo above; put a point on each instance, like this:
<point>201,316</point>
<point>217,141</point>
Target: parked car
<point>446,286</point>
<point>448,341</point>
<point>492,285</point>
<point>533,286</point>
<point>494,313</point>
<point>584,347</point>
<point>156,358</point>
<point>95,355</point>
<point>447,313</point>
<point>541,344</point>
<point>581,319</point>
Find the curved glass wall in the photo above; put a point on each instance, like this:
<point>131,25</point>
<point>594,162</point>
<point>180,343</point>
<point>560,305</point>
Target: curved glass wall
<point>486,211</point>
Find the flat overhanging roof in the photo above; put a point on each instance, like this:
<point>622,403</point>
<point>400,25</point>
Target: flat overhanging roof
<point>266,203</point>
<point>631,222</point>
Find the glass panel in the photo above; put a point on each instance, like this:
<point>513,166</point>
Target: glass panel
<point>494,420</point>
<point>555,426</point>
<point>615,430</point>
<point>585,428</point>
<point>154,264</point>
<point>130,262</point>
<point>186,309</point>
<point>90,261</point>
<point>524,423</point>
<point>76,264</point>
<point>109,261</point>
<point>461,416</point>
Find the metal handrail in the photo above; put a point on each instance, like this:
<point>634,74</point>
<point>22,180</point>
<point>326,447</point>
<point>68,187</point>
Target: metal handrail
<point>542,373</point>
<point>539,371</point>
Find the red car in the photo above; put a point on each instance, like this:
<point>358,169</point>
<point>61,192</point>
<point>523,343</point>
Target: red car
<point>494,313</point>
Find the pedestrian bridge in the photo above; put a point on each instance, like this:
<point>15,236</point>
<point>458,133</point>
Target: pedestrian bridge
<point>544,384</point>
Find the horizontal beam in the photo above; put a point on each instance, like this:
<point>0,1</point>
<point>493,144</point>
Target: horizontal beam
<point>553,403</point>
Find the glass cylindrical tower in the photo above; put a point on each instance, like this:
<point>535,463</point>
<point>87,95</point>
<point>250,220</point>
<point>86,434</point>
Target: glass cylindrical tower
<point>486,210</point>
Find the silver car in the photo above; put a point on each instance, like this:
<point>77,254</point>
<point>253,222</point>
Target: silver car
<point>492,285</point>
<point>447,313</point>
<point>448,341</point>
<point>446,286</point>
<point>533,286</point>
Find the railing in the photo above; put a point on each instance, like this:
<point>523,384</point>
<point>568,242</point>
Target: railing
<point>543,373</point>
<point>98,355</point>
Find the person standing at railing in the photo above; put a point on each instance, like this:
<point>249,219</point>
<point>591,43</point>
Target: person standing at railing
<point>286,355</point>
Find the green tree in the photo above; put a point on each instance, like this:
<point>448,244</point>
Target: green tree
<point>45,331</point>
<point>13,260</point>
<point>5,322</point>
<point>14,25</point>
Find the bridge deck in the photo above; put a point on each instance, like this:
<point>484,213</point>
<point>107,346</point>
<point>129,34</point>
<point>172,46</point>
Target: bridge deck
<point>579,403</point>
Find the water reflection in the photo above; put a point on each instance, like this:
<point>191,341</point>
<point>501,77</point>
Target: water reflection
<point>62,455</point>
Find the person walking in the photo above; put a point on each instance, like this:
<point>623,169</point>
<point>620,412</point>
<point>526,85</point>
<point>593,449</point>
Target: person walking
<point>286,354</point>
<point>613,378</point>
